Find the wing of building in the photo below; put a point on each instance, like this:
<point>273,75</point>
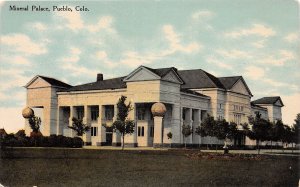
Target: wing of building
<point>188,95</point>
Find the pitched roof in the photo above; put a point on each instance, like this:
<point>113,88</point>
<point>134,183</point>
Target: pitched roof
<point>268,100</point>
<point>228,82</point>
<point>257,106</point>
<point>115,83</point>
<point>197,78</point>
<point>55,82</point>
<point>162,71</point>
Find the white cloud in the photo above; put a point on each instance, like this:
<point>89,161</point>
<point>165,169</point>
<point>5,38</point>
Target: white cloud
<point>78,70</point>
<point>255,29</point>
<point>292,37</point>
<point>73,57</point>
<point>104,23</point>
<point>259,44</point>
<point>221,64</point>
<point>23,44</point>
<point>291,108</point>
<point>233,53</point>
<point>203,14</point>
<point>73,19</point>
<point>175,42</point>
<point>15,76</point>
<point>254,73</point>
<point>39,26</point>
<point>15,60</point>
<point>282,57</point>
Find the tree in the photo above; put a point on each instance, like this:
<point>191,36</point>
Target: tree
<point>79,127</point>
<point>186,131</point>
<point>35,123</point>
<point>206,127</point>
<point>259,129</point>
<point>123,124</point>
<point>296,129</point>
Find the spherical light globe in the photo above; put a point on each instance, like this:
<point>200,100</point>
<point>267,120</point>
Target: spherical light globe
<point>27,112</point>
<point>158,109</point>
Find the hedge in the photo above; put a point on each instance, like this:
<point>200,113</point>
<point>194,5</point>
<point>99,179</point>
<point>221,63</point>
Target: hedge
<point>42,141</point>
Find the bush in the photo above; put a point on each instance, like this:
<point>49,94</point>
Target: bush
<point>42,141</point>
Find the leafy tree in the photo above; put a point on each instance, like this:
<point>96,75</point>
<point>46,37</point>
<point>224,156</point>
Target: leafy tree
<point>224,130</point>
<point>123,124</point>
<point>259,130</point>
<point>296,129</point>
<point>79,127</point>
<point>186,131</point>
<point>206,127</point>
<point>35,123</point>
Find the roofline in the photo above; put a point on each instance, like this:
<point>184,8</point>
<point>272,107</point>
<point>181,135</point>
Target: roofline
<point>194,95</point>
<point>90,91</point>
<point>41,76</point>
<point>248,89</point>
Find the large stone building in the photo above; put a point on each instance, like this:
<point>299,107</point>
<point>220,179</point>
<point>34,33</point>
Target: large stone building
<point>188,95</point>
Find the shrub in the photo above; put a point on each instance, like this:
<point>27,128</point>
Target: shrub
<point>42,141</point>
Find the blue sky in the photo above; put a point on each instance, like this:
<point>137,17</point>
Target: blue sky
<point>256,39</point>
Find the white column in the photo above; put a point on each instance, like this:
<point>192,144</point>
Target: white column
<point>116,137</point>
<point>131,140</point>
<point>72,111</point>
<point>158,141</point>
<point>196,123</point>
<point>87,120</point>
<point>176,125</point>
<point>189,121</point>
<point>59,128</point>
<point>101,129</point>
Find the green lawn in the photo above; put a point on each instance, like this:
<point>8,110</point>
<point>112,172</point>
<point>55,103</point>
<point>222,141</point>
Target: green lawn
<point>80,167</point>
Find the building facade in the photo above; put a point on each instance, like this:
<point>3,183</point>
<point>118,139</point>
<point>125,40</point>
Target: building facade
<point>188,96</point>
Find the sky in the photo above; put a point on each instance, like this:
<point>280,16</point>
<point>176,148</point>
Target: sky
<point>256,39</point>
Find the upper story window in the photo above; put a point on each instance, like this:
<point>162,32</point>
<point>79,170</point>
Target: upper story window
<point>109,112</point>
<point>94,113</point>
<point>238,108</point>
<point>141,113</point>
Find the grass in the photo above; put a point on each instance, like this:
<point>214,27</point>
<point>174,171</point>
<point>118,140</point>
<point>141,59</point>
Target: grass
<point>79,167</point>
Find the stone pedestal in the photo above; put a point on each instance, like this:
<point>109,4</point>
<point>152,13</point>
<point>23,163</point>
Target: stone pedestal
<point>158,127</point>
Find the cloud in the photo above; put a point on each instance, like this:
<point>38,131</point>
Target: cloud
<point>73,19</point>
<point>203,14</point>
<point>175,42</point>
<point>104,23</point>
<point>280,59</point>
<point>233,53</point>
<point>259,44</point>
<point>15,60</point>
<point>254,73</point>
<point>291,108</point>
<point>292,37</point>
<point>73,57</point>
<point>23,44</point>
<point>221,64</point>
<point>39,26</point>
<point>255,29</point>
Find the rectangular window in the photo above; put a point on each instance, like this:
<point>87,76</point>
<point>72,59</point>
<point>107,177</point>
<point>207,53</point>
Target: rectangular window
<point>80,112</point>
<point>141,113</point>
<point>141,131</point>
<point>109,112</point>
<point>94,131</point>
<point>94,113</point>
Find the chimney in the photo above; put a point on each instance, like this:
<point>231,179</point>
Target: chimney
<point>99,77</point>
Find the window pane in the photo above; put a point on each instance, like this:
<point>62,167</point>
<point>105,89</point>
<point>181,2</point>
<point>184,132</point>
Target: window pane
<point>142,131</point>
